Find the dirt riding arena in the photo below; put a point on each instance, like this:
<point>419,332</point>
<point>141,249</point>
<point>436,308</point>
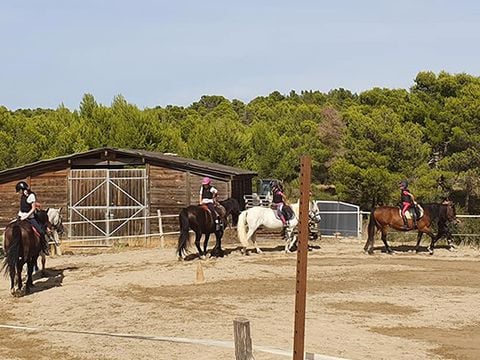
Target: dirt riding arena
<point>401,306</point>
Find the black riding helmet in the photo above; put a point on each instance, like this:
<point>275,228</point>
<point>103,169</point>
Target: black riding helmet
<point>404,184</point>
<point>21,185</point>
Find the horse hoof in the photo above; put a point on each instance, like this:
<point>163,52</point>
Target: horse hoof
<point>202,257</point>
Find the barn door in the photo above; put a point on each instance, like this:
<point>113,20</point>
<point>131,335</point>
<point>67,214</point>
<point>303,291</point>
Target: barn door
<point>107,203</point>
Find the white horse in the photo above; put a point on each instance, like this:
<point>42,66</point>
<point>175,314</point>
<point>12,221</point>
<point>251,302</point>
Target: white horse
<point>251,219</point>
<point>57,229</point>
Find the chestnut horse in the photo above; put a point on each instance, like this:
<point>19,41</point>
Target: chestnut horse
<point>384,217</point>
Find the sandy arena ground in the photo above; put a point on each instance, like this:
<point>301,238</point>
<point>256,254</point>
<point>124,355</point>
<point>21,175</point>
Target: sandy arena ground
<point>402,306</point>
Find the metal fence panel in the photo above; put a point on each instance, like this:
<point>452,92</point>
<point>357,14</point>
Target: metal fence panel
<point>339,218</point>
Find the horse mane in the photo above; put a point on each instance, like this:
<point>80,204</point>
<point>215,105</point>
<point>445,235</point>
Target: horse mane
<point>435,210</point>
<point>41,216</point>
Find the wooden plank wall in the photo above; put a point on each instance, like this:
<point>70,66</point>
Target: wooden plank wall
<point>171,190</point>
<point>50,188</point>
<point>168,193</point>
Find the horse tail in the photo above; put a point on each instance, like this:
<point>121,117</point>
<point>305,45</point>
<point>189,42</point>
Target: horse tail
<point>372,225</point>
<point>184,230</point>
<point>14,250</point>
<point>242,228</point>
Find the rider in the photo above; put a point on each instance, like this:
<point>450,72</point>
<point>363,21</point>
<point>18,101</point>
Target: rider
<point>28,205</point>
<point>279,200</point>
<point>407,199</point>
<point>209,197</point>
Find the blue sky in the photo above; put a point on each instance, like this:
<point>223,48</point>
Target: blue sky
<point>156,53</point>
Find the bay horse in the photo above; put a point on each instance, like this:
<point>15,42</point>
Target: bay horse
<point>199,219</point>
<point>251,219</point>
<point>384,217</point>
<point>232,207</point>
<point>22,245</point>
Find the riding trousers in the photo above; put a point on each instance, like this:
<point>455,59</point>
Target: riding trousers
<point>405,207</point>
<point>37,226</point>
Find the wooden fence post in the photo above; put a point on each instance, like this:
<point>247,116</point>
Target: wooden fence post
<point>302,252</point>
<point>160,229</point>
<point>242,339</point>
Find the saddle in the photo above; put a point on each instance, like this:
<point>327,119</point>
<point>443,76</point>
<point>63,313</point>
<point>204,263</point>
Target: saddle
<point>221,211</point>
<point>34,229</point>
<point>415,212</point>
<point>286,211</point>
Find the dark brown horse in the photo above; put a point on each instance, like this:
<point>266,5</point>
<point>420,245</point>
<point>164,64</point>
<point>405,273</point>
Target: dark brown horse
<point>232,207</point>
<point>388,217</point>
<point>22,245</point>
<point>200,220</point>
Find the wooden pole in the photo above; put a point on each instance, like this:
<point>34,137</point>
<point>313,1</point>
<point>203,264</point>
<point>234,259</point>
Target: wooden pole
<point>301,285</point>
<point>160,229</point>
<point>242,339</point>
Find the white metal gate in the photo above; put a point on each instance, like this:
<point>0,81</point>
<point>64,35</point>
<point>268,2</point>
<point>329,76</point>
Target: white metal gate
<point>106,203</point>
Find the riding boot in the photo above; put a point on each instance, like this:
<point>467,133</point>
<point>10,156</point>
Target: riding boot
<point>405,222</point>
<point>45,245</point>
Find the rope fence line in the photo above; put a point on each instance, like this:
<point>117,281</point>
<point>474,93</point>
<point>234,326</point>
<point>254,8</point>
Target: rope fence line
<point>182,340</point>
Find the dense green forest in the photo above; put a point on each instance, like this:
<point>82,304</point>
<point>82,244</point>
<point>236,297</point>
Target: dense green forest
<point>361,144</point>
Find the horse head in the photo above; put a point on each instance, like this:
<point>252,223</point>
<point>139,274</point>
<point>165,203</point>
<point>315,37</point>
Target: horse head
<point>55,219</point>
<point>314,212</point>
<point>451,213</point>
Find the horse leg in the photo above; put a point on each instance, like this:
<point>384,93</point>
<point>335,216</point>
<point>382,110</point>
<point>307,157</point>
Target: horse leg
<point>434,240</point>
<point>367,245</point>
<point>289,244</point>
<point>419,239</point>
<point>198,236</point>
<point>18,291</point>
<point>29,282</point>
<point>217,250</point>
<point>254,241</point>
<point>251,235</point>
<point>205,244</point>
<point>368,248</point>
<point>290,239</point>
<point>44,259</point>
<point>388,249</point>
<point>451,245</point>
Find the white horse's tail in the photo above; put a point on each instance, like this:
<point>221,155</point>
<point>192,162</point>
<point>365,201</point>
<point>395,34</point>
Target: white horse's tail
<point>242,228</point>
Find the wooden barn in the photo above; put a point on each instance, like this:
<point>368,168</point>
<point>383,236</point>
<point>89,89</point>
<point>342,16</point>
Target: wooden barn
<point>125,187</point>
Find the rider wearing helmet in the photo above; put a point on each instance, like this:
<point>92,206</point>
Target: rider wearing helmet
<point>407,199</point>
<point>208,196</point>
<point>279,200</point>
<point>28,205</point>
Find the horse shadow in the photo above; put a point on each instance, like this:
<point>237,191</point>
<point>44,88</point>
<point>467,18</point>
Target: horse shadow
<point>409,248</point>
<point>51,278</point>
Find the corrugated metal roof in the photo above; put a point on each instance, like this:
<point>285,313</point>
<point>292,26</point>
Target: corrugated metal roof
<point>167,160</point>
